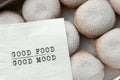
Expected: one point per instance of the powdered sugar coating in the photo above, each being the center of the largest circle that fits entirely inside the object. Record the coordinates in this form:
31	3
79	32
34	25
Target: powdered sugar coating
9	17
116	5
107	48
41	9
73	37
72	3
94	18
86	67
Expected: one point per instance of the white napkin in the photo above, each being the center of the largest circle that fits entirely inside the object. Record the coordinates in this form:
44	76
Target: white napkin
34	51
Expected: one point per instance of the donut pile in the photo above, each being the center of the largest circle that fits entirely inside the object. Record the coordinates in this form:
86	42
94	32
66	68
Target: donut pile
95	19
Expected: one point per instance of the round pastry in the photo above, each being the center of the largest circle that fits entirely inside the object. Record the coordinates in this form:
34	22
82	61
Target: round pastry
41	9
72	3
9	17
116	5
86	67
73	37
107	48
91	18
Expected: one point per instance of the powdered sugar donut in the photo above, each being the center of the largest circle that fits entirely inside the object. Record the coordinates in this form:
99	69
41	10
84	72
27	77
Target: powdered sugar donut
116	5
86	67
72	3
91	18
107	48
41	9
8	17
73	37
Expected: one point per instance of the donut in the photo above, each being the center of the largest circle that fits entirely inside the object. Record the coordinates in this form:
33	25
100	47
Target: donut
107	48
34	10
72	3
9	17
73	37
116	5
94	18
86	67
